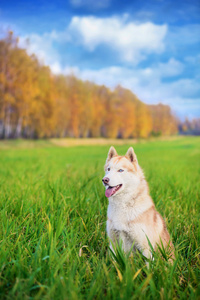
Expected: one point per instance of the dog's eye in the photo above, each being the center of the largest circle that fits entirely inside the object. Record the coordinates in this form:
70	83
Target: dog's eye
108	169
120	170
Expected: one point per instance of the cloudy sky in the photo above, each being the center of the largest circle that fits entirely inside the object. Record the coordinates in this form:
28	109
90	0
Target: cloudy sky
151	47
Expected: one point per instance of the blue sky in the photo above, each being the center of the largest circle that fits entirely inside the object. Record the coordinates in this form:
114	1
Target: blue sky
151	47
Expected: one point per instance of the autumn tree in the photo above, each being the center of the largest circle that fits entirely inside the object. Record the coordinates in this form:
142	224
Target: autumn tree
34	103
163	121
127	112
62	93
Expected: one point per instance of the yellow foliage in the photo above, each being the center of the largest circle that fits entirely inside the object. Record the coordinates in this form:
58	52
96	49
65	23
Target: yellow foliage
36	104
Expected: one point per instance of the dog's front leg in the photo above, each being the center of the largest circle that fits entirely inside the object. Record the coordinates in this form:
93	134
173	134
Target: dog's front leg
147	253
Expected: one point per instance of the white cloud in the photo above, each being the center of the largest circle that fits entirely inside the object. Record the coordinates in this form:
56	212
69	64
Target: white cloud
131	76
147	84
41	45
56	68
132	41
172	68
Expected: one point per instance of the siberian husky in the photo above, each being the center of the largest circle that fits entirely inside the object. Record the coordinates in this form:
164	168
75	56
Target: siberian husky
132	217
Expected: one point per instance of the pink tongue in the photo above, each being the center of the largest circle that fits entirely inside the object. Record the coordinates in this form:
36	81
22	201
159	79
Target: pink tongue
109	192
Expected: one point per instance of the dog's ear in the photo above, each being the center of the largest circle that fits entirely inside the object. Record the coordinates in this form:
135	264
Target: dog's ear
111	153
130	154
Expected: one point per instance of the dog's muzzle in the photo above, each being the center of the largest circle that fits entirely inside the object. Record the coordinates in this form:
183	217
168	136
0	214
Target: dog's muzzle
105	180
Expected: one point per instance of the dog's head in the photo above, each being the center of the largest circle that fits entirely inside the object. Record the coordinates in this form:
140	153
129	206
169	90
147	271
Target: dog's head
121	172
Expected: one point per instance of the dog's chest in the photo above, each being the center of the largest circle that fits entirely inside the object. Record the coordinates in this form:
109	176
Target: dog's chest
121	225
121	216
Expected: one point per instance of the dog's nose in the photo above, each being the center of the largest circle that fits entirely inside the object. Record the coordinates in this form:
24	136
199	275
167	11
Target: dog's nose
105	180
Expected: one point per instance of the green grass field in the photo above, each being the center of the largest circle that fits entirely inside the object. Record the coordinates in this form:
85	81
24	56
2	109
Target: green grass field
53	242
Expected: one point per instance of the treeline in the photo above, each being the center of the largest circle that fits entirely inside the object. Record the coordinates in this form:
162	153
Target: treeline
34	103
190	127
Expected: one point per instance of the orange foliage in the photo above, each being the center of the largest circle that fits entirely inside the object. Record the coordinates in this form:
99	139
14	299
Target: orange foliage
36	104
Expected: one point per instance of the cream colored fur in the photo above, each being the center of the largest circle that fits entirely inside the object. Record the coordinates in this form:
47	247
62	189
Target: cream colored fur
132	216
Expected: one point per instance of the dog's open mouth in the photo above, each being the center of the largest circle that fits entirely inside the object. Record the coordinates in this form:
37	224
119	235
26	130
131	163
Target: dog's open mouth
111	190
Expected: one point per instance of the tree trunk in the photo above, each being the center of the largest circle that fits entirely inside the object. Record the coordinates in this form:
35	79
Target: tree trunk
7	123
19	128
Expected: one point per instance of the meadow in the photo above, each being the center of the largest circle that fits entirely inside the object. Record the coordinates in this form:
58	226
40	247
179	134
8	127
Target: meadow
53	242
